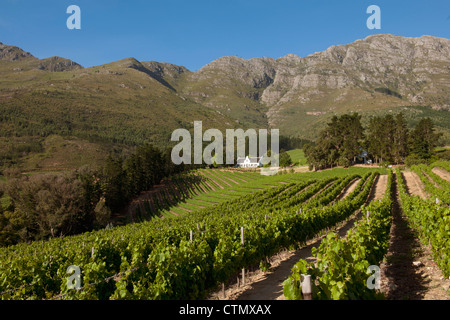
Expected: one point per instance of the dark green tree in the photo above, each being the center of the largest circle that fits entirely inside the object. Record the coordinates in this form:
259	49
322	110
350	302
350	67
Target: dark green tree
114	184
91	193
400	148
45	205
423	139
339	143
285	159
381	138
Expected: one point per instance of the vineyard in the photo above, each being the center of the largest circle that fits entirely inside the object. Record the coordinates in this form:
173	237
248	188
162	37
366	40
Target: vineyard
196	231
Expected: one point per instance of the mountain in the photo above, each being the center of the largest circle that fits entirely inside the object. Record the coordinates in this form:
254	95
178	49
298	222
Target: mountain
13	53
380	72
28	61
130	102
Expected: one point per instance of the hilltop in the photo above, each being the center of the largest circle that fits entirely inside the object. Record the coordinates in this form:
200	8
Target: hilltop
116	106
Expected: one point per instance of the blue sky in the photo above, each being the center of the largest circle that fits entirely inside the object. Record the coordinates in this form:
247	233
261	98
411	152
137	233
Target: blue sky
193	33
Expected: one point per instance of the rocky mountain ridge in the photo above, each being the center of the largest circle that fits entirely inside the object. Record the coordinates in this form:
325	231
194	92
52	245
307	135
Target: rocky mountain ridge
52	64
381	73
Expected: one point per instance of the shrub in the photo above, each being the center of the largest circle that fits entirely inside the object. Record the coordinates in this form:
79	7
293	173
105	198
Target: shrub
414	159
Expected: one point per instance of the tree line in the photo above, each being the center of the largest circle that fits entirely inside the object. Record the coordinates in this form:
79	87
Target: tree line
48	205
386	139
43	206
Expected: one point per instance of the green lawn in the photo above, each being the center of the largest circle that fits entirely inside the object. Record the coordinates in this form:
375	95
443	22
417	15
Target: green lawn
298	157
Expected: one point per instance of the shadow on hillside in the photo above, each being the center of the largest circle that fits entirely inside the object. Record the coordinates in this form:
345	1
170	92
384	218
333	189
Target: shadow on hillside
161	198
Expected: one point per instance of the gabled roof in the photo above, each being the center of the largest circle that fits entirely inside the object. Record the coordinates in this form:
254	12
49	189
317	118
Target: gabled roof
251	159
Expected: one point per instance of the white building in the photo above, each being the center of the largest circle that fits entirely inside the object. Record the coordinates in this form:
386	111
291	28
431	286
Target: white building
364	155
249	162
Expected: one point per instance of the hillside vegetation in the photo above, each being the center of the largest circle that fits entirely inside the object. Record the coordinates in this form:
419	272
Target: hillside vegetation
126	103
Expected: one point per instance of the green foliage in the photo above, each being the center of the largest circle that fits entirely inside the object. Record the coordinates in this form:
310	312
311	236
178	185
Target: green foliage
431	220
45	206
442	164
341	268
423	139
50	205
438	187
442	153
387	141
298	157
292	143
12	152
339	144
414	159
387	138
154	258
285	160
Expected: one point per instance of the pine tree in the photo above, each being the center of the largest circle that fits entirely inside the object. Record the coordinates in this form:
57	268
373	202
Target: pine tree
339	143
400	148
114	183
423	139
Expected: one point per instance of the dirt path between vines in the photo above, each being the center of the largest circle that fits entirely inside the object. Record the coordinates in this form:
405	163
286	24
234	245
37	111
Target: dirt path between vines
349	189
444	174
413	184
233	179
408	271
378	191
269	285
212	175
207	182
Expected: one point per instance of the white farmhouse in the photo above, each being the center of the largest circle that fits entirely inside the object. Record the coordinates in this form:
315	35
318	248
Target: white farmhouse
249	162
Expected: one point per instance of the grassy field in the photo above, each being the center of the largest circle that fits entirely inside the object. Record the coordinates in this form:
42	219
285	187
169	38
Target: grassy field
298	157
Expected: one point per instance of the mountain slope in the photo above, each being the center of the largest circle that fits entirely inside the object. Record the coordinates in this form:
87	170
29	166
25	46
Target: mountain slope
131	102
300	94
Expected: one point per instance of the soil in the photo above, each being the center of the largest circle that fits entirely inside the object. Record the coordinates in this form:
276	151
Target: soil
301	169
444	174
409	272
233	180
378	188
261	285
269	285
320	191
413	184
431	179
239	178
349	189
214	177
400	277
209	185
